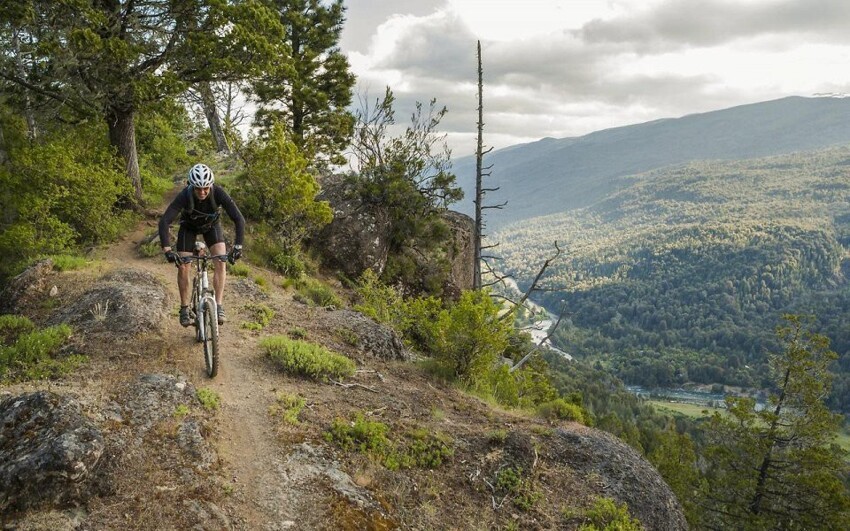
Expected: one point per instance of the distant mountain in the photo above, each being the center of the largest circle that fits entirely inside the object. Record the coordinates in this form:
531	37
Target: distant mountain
556	175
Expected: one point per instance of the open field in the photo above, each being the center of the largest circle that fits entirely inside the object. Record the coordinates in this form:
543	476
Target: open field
690	410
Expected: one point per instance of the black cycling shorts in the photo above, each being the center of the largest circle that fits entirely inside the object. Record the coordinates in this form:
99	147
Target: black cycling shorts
187	235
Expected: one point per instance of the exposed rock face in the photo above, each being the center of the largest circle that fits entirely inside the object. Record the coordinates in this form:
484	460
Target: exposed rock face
48	451
372	338
25	289
357	238
627	476
461	253
124	302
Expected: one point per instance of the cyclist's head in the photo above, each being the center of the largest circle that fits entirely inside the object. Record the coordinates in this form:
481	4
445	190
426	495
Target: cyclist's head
201	176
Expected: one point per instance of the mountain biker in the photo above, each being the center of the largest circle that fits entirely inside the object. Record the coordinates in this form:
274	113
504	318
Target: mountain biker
199	205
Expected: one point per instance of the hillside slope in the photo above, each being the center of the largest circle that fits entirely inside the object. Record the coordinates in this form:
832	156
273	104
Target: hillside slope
170	463
683	276
557	175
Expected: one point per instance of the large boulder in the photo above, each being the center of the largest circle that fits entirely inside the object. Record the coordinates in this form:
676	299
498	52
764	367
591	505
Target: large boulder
358	237
369	337
461	253
122	303
48	451
626	476
24	290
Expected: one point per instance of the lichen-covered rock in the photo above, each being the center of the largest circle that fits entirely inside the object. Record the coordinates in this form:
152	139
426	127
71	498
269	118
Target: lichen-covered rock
368	336
25	289
122	303
152	398
626	475
358	237
461	253
48	451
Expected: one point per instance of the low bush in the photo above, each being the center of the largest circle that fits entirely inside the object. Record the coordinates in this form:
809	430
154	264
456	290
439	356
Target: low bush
361	434
208	398
261	314
68	262
605	514
315	293
306	359
562	410
239	270
287	407
27	353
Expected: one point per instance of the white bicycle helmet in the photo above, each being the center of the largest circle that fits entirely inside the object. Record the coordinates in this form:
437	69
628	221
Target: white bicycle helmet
201	176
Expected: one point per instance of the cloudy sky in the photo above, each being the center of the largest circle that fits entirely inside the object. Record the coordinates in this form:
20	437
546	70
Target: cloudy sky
565	68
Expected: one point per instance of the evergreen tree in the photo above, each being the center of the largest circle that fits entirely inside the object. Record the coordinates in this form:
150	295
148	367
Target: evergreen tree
310	91
409	178
775	467
107	59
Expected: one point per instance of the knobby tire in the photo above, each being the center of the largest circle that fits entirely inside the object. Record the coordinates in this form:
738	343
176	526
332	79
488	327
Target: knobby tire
210	317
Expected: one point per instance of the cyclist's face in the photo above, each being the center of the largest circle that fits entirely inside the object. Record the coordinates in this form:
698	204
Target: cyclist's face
202	193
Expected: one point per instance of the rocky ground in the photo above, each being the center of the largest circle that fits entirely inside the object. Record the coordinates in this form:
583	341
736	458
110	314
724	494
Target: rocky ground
124	442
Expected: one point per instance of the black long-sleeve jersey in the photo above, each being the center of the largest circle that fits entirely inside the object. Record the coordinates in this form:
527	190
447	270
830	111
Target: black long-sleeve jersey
194	219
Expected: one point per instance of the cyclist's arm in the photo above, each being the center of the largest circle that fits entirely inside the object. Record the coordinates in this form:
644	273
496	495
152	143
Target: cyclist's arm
168	218
233	212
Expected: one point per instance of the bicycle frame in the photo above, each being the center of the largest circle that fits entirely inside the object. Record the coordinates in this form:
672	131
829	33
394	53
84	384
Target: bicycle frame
204	305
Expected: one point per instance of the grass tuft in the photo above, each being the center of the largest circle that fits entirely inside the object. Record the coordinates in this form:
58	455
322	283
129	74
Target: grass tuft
208	398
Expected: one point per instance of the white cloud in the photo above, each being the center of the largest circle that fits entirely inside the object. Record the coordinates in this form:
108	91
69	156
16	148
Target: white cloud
567	68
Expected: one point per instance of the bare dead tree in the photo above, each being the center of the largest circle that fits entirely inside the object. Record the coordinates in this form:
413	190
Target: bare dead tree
479	258
222	105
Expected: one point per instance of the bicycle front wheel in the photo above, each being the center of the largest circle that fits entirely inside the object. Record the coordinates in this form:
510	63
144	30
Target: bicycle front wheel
210	338
196	310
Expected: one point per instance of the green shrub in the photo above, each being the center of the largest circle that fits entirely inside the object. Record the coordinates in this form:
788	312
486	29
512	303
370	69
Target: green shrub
562	410
60	194
239	270
150	249
297	333
288	407
278	188
261	314
181	410
308	359
427	449
382	303
27	353
606	515
290	265
208	398
497	436
315	293
511	482
469	337
362	434
68	262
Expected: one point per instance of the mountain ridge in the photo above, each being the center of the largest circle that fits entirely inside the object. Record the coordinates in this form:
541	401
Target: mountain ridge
554	175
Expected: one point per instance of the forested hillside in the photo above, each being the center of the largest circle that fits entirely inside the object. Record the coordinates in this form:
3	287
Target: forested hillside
554	175
682	276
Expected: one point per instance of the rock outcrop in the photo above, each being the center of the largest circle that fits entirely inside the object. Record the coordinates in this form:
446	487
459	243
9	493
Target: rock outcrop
369	337
23	291
357	238
626	476
48	451
122	303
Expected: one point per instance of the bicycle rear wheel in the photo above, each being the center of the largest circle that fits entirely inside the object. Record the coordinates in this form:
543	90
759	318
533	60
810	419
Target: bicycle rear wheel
210	317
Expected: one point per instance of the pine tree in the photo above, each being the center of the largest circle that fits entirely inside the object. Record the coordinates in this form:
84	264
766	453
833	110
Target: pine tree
311	90
108	59
775	467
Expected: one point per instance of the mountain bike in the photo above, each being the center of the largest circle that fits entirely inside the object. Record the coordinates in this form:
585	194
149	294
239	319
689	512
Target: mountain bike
204	307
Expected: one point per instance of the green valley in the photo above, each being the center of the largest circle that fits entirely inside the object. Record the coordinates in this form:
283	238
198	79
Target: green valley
682	275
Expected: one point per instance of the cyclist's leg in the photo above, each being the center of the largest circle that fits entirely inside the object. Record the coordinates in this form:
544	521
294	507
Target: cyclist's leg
214	239
184	246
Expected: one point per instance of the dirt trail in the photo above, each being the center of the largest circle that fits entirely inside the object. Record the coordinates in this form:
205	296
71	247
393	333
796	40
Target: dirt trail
245	439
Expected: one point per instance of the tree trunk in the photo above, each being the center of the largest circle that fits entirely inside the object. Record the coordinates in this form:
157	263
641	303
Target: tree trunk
479	193
32	128
122	136
761	483
4	151
213	119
